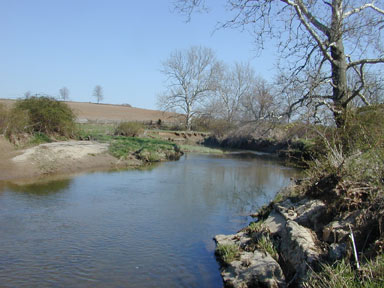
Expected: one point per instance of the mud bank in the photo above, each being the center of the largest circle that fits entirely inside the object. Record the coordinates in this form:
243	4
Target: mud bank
60	158
292	151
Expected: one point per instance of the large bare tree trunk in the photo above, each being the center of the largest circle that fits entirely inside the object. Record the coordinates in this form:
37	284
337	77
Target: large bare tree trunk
339	66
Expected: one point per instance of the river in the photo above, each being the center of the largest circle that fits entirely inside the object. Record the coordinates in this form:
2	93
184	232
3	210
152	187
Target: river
137	228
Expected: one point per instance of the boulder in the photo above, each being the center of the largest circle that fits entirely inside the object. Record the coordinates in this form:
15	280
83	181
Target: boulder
308	213
299	248
275	223
253	269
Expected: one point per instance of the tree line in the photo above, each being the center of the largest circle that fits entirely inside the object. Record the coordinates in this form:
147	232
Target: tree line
331	52
201	86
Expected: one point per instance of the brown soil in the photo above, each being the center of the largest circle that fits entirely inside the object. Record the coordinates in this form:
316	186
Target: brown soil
112	113
58	158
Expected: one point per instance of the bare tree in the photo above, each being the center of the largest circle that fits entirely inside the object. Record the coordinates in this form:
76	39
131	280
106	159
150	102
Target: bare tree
260	104
234	85
98	93
64	93
27	94
191	76
320	42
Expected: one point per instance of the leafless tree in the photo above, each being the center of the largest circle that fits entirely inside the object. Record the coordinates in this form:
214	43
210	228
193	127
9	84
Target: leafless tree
98	93
321	41
260	104
234	85
191	76
27	94
64	93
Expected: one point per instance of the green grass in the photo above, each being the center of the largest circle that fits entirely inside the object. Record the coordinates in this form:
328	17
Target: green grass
200	149
255	226
342	275
227	252
96	131
39	138
265	244
152	150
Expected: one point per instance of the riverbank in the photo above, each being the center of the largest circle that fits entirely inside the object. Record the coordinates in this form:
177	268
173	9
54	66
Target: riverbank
294	152
324	231
71	157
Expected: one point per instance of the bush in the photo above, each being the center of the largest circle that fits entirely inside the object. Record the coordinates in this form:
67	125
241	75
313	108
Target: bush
17	123
3	119
129	129
365	128
47	115
218	127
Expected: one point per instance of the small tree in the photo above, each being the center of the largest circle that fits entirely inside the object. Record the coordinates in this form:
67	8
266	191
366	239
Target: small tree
27	94
64	93
98	93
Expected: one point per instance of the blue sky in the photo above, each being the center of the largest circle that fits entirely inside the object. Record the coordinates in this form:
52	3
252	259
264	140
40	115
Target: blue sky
118	44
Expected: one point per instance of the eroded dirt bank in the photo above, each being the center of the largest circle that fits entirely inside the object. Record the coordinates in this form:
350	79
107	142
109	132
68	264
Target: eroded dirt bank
67	157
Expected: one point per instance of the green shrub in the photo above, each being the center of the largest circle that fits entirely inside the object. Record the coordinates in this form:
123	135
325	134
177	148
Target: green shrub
47	115
3	118
129	129
364	129
17	123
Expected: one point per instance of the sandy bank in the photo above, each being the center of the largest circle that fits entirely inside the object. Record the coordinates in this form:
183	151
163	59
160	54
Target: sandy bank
62	158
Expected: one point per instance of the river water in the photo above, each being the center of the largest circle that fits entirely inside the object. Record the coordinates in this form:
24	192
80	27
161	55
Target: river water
140	228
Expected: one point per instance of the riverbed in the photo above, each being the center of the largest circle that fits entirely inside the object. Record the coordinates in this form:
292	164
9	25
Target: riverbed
135	228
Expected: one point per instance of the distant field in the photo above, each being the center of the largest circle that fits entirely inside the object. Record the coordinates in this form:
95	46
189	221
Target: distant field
108	113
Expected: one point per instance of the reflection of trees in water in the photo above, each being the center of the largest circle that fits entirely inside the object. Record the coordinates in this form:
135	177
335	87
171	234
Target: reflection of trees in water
41	188
243	186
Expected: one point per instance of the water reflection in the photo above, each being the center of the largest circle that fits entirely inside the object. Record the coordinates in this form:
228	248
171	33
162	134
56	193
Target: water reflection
150	228
41	188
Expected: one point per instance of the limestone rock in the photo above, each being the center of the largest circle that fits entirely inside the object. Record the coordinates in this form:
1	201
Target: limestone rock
275	223
254	269
299	248
308	213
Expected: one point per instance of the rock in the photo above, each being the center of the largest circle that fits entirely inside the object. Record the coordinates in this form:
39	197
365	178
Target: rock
299	248
308	213
254	269
337	251
241	239
275	223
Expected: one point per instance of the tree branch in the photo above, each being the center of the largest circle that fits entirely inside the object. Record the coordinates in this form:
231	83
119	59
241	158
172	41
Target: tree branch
359	9
365	61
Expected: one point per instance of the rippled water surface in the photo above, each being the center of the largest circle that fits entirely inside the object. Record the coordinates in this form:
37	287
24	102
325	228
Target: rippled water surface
150	228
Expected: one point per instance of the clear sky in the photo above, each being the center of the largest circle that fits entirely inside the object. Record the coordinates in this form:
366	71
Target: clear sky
118	44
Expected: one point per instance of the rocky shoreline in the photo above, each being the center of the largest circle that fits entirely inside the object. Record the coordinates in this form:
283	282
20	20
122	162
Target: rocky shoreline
290	240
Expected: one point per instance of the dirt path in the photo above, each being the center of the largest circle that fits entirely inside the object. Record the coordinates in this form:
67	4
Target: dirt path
62	158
